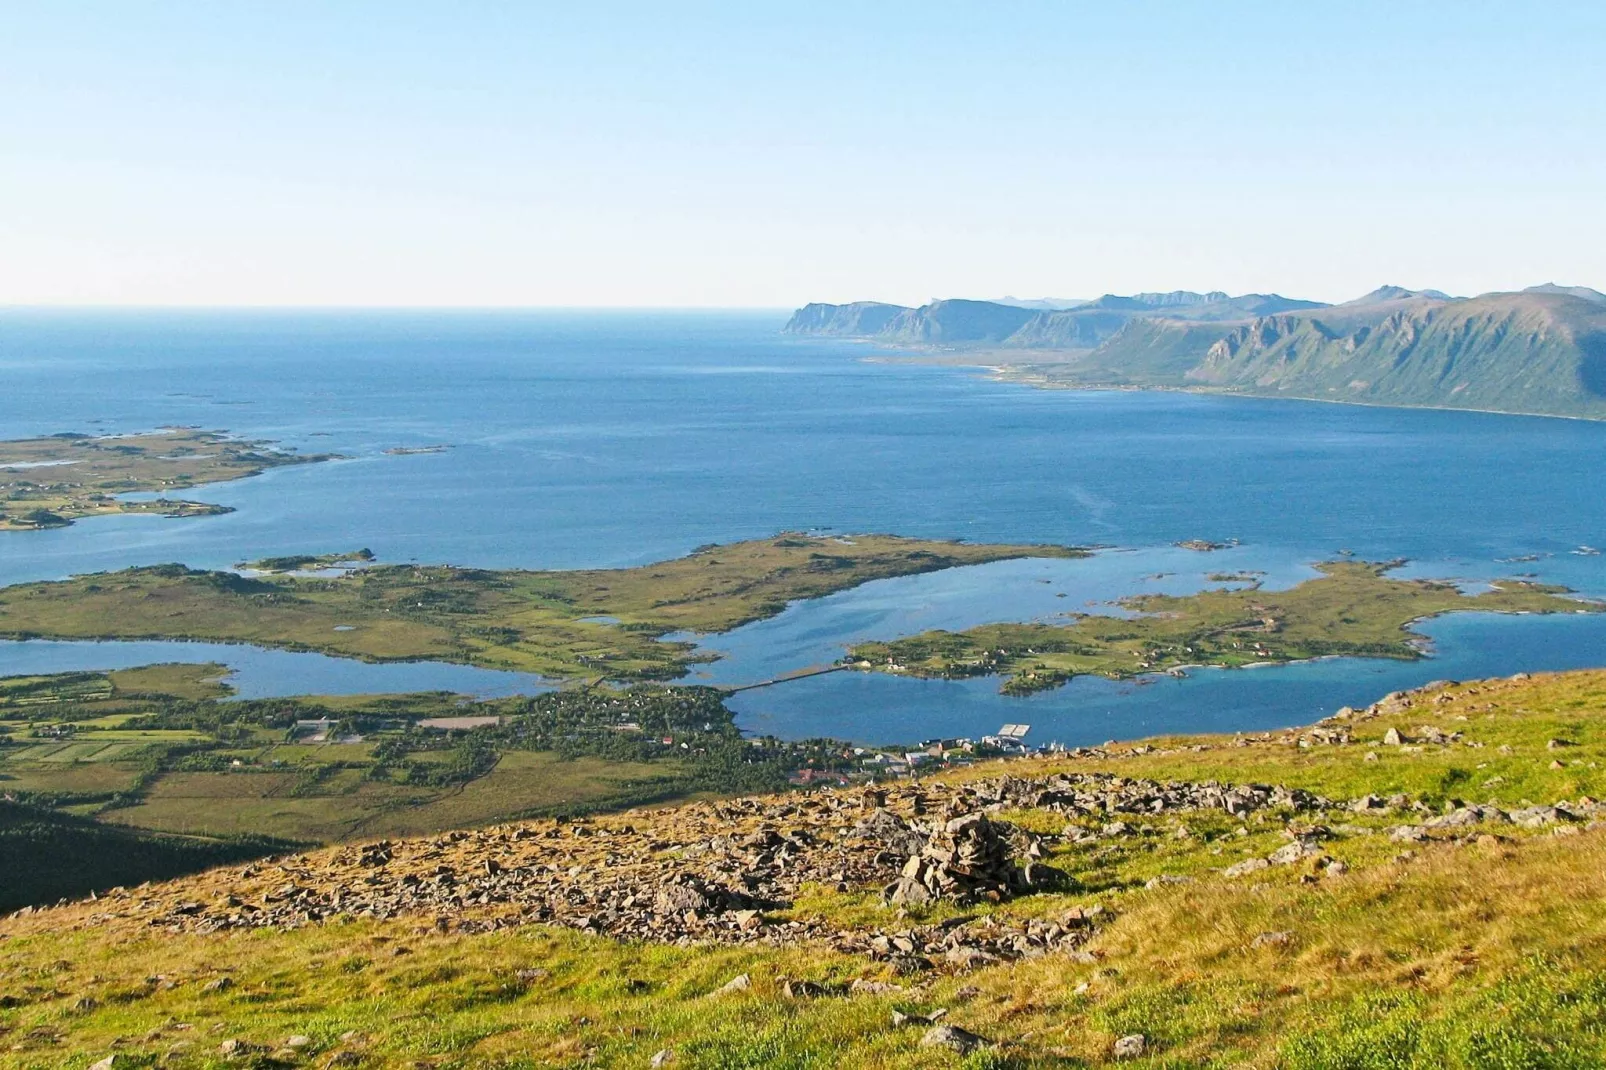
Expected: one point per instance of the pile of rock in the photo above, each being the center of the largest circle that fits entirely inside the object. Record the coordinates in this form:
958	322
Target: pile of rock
967	859
719	872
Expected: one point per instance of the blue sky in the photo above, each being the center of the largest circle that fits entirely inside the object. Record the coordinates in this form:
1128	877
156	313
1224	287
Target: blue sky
760	154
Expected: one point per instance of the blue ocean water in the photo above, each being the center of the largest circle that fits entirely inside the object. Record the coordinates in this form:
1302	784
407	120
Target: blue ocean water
605	439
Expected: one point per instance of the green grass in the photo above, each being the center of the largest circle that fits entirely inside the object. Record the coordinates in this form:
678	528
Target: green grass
534	621
176	680
98	777
1353	609
190	764
1485	954
345	805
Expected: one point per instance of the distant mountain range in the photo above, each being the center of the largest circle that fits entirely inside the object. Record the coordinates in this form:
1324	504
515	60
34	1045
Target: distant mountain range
1541	350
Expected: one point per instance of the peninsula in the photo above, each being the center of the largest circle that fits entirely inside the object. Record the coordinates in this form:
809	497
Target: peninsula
50	482
568	625
1541	350
1354	608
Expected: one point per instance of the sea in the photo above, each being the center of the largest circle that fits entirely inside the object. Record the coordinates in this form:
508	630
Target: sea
608	439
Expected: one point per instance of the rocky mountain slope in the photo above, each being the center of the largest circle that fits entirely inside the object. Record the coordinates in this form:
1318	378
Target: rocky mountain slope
1422	879
1541	350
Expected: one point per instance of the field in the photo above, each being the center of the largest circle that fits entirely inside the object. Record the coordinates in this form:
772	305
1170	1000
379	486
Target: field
162	750
50	482
1354	608
1461	943
529	783
344	804
595	624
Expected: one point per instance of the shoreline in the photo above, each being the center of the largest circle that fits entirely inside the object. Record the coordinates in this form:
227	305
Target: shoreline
1006	372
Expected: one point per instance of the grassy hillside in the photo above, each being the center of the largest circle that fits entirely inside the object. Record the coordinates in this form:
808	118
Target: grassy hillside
45	854
1143	353
1513	352
1541	352
1418	884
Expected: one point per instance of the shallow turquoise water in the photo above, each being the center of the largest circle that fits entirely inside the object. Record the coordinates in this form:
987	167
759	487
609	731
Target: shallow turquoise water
621	438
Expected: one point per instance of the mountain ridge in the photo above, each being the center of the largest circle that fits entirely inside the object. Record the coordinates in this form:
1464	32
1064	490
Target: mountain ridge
1538	351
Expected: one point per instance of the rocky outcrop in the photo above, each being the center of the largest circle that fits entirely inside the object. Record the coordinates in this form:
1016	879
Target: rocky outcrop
721	872
856	320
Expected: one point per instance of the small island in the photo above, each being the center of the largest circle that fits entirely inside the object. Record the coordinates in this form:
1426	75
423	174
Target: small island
411	451
307	563
1205	546
52	481
1354	609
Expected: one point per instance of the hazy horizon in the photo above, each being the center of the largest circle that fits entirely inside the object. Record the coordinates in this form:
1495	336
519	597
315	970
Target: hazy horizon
367	156
777	309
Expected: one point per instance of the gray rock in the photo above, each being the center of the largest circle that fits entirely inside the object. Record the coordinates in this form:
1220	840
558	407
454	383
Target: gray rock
1130	1047
953	1038
1289	853
1246	867
802	990
740	983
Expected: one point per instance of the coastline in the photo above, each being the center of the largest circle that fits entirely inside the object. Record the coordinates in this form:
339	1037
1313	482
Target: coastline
1010	372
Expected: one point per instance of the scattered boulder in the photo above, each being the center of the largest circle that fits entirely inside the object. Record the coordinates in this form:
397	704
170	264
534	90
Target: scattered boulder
740	983
1246	867
802	990
899	1018
955	1039
1289	853
1130	1047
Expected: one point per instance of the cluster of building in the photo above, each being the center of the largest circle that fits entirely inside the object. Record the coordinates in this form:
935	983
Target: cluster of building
877	762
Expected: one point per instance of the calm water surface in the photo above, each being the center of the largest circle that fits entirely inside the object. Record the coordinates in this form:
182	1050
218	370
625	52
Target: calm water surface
582	440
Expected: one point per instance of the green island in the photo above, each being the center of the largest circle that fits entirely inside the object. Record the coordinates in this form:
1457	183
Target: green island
307	562
1419	884
1354	608
49	482
567	625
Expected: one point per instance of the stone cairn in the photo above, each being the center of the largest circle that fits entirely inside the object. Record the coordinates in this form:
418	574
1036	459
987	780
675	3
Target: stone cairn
966	860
